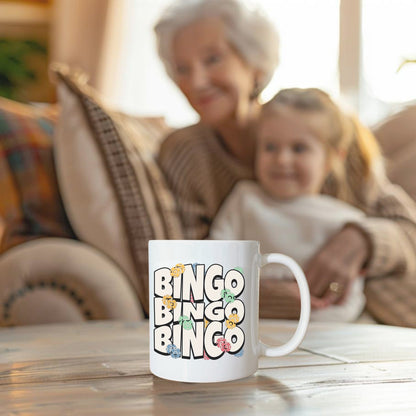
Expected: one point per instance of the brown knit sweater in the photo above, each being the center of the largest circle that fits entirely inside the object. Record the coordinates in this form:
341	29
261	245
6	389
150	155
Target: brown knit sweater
201	173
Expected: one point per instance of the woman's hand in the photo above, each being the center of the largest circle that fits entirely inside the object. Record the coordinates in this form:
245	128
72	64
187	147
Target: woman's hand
333	269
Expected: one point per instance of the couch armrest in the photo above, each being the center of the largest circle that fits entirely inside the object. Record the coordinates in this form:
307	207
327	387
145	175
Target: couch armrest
62	280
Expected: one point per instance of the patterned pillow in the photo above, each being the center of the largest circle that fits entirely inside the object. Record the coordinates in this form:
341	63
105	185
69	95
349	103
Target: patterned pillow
115	195
30	204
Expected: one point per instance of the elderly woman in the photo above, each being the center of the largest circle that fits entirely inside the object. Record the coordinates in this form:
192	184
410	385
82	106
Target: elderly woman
221	55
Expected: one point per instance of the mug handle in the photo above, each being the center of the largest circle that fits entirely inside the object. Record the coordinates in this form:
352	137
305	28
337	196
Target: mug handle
305	304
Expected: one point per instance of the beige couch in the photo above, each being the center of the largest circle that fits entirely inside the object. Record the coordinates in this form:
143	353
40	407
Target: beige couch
397	136
91	262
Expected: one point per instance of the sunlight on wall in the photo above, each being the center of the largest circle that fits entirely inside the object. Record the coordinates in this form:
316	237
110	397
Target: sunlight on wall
143	86
309	49
308	44
389	35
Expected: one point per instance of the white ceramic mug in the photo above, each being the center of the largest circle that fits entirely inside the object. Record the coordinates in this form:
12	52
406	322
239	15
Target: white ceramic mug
204	309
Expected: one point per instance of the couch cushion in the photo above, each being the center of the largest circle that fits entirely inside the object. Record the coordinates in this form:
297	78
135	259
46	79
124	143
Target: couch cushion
397	137
30	204
115	195
61	280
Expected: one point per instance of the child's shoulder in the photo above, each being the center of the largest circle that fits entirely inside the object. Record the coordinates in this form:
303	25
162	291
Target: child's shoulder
243	191
246	187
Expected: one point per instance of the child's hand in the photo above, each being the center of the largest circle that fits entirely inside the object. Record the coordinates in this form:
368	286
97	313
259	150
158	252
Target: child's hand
332	270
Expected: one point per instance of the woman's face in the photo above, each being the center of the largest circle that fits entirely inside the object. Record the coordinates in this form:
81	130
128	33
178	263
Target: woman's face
216	81
291	159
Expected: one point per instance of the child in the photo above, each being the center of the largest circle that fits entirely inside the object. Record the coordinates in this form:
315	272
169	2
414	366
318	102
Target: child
303	138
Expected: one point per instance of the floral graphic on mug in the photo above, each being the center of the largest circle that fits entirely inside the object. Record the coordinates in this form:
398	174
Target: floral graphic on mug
173	351
196	309
234	318
227	295
177	270
223	344
185	322
176	353
232	321
240	353
169	302
230	324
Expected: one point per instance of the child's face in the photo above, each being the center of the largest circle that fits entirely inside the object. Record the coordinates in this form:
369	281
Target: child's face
291	160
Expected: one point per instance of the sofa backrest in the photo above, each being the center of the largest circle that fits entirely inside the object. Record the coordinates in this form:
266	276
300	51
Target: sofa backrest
397	137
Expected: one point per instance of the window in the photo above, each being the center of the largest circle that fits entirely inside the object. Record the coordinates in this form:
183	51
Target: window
360	64
308	56
308	31
388	39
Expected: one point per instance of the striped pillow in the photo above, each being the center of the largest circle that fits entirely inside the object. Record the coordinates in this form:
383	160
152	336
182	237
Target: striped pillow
114	193
30	204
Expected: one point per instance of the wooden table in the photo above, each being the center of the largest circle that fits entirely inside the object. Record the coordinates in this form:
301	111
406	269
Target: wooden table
101	368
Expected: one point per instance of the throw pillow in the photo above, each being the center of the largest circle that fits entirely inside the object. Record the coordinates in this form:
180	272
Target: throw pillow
115	195
30	204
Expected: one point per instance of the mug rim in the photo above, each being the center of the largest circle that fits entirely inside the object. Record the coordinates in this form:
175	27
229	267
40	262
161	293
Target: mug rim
205	241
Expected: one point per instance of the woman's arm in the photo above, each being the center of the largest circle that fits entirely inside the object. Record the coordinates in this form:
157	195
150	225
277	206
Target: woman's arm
381	244
334	268
391	229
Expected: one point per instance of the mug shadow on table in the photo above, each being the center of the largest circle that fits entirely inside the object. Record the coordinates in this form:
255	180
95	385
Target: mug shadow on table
236	397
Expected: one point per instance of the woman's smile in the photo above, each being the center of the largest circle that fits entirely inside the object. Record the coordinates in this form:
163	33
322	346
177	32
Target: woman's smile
217	82
207	99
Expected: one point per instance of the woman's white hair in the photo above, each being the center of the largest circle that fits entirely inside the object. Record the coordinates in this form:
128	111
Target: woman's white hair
248	30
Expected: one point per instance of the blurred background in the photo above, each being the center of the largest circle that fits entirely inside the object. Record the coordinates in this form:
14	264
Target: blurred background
361	51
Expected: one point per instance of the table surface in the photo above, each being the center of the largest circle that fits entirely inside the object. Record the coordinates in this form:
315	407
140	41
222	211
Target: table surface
102	368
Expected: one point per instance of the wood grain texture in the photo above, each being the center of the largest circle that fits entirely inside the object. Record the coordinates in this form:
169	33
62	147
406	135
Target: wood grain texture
101	368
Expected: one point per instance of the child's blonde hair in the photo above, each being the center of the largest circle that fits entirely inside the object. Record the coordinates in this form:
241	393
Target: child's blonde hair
353	151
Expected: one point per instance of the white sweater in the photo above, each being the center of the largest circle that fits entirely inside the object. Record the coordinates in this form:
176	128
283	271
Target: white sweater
296	227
